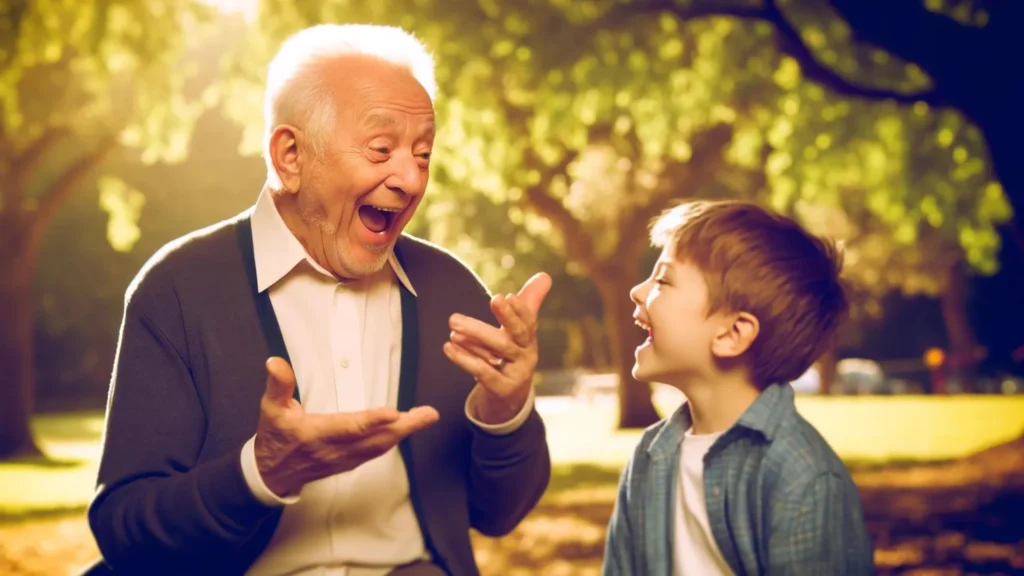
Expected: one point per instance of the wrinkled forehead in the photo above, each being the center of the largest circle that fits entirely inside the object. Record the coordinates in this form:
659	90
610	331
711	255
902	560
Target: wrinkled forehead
358	81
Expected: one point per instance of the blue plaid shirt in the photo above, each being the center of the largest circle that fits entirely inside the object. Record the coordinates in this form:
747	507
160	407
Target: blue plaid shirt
779	500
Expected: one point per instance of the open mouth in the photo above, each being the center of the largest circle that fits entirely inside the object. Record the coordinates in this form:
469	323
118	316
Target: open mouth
644	326
379	219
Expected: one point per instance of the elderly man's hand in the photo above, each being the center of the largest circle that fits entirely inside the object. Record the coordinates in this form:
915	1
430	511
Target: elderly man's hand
294	448
501	360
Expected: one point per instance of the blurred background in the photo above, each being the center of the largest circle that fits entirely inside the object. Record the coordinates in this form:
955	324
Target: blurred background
892	125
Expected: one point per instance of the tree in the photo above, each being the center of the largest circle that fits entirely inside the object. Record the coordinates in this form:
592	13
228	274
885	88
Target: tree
585	133
946	50
905	187
579	122
78	80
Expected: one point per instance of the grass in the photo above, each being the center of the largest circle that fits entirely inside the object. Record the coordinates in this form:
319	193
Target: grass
43	529
586	450
865	430
65	480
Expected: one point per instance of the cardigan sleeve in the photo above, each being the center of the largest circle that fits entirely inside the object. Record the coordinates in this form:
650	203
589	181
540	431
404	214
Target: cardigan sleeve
155	509
508	472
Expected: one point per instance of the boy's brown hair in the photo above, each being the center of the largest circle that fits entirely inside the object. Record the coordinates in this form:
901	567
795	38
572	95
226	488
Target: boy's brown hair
765	264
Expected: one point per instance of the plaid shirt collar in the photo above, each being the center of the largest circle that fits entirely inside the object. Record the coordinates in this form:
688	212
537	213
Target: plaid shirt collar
762	417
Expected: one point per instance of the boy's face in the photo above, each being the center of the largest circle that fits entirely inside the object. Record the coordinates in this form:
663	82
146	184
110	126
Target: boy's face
673	304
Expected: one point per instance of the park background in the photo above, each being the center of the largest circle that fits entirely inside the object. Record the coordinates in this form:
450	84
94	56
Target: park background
565	126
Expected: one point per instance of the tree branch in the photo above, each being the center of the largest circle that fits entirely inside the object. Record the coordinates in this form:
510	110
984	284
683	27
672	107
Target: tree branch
65	185
24	165
538	198
575	238
939	45
682	179
790	42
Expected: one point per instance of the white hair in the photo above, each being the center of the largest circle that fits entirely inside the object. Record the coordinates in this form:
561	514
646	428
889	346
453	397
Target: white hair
294	96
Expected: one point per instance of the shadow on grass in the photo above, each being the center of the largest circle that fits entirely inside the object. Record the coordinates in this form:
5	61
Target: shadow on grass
44	461
57	512
918	525
71	426
568	477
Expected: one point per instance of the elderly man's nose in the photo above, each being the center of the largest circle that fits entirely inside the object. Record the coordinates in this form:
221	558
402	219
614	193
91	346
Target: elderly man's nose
408	178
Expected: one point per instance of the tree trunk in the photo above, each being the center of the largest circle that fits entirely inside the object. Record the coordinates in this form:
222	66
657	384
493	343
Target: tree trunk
16	356
595	350
636	410
21	235
827	369
962	355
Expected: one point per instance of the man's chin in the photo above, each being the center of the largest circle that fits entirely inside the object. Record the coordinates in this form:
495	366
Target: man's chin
364	267
361	261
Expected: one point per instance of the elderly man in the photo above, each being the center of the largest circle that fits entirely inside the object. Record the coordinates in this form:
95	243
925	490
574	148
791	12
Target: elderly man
388	420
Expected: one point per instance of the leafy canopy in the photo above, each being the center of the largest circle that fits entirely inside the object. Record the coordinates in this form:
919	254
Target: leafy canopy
624	96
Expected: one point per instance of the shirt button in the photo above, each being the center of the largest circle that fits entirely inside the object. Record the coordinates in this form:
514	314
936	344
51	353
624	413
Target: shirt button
344	362
715	490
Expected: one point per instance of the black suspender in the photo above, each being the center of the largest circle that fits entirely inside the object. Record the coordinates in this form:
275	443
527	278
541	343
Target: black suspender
268	320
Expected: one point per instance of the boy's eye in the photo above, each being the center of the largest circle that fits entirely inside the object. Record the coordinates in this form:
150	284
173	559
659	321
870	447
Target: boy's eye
660	281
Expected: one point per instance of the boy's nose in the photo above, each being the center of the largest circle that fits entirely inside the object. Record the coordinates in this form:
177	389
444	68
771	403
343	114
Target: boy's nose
638	294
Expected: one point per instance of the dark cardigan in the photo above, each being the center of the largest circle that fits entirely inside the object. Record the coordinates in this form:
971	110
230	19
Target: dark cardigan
185	392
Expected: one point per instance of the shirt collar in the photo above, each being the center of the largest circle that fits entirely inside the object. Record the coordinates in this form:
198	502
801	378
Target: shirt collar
277	251
763	416
767	412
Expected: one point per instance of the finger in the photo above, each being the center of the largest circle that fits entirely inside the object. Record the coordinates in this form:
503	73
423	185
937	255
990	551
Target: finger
415	420
347	427
280	382
535	290
482	371
475	348
370	420
384	438
514	326
494	339
525	314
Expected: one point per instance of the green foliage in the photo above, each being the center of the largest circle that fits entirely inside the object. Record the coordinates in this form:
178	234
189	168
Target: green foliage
124	205
907	189
624	94
92	68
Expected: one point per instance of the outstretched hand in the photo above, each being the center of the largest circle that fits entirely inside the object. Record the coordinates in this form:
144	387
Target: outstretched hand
294	448
502	361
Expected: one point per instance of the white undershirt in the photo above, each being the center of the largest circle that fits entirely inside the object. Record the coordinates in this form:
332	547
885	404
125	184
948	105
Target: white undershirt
694	550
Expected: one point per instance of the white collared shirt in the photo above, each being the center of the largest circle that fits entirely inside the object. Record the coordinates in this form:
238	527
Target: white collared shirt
346	359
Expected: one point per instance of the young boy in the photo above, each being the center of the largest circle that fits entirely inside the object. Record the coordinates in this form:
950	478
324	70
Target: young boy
741	302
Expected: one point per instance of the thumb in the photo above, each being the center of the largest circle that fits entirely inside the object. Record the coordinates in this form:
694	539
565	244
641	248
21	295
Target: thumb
280	381
535	290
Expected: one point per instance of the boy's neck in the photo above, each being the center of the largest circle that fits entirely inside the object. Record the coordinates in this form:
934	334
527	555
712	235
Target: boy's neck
717	403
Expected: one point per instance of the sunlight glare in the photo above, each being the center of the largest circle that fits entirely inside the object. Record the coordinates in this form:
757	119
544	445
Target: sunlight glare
247	8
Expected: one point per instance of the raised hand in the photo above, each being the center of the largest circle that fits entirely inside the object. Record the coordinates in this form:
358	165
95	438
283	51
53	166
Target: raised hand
502	361
294	448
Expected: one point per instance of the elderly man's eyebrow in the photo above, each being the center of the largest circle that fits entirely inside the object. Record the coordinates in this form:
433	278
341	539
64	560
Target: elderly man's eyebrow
379	121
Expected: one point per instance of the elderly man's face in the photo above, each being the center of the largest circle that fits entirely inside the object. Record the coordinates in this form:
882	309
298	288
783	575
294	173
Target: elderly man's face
375	166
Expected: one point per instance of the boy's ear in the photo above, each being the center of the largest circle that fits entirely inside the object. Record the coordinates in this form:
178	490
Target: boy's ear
736	335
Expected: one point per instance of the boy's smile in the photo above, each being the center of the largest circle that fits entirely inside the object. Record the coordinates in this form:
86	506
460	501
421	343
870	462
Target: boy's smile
644	326
672	303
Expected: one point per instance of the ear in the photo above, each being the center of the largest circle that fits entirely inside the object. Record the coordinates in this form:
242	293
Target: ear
736	335
286	157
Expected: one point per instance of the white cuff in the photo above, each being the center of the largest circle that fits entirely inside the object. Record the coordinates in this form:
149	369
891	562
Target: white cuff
504	428
255	482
